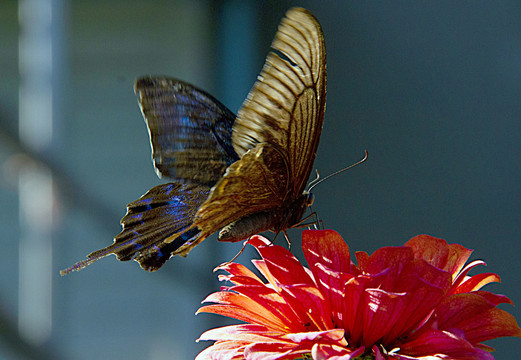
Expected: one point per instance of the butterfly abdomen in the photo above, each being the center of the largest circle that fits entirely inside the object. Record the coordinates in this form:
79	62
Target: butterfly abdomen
285	218
247	226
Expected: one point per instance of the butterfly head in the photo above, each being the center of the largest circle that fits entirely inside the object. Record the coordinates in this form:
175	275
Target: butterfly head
309	198
296	210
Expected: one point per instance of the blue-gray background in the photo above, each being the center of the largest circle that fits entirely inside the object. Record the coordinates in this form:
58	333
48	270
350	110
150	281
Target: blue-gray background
432	89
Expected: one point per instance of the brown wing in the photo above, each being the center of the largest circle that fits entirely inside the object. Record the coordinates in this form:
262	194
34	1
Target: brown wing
277	129
287	103
255	183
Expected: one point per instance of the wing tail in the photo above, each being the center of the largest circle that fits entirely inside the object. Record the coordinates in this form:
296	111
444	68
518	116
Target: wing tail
157	226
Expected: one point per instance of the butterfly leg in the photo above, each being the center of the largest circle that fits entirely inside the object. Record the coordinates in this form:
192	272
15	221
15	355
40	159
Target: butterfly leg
302	223
236	256
277	234
287	239
317	223
272	241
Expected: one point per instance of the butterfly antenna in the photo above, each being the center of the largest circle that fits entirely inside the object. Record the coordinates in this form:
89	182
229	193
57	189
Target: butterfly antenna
315	179
338	172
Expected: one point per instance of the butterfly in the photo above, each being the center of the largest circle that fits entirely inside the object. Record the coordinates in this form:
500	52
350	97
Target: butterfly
236	175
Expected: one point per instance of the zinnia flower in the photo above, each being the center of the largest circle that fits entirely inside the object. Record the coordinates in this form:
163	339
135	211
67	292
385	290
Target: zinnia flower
410	302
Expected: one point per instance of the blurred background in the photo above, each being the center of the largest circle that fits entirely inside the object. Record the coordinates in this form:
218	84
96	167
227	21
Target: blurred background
431	89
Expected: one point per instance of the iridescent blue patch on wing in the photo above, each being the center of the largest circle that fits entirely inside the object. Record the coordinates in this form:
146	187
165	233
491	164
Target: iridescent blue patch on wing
159	254
185	238
137	217
137	246
158	250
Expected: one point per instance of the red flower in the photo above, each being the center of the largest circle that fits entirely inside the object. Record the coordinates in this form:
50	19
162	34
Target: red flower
410	302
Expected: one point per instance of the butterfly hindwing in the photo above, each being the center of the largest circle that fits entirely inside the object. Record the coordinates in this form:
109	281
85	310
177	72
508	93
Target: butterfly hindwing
157	225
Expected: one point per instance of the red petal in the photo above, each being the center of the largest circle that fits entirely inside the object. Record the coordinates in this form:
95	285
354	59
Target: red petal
328	248
420	301
258	241
240	314
309	305
284	267
460	307
428	273
299	345
227	350
235	269
434	250
263	269
476	282
279	266
330	336
444	345
242	332
495	299
275	351
377	353
458	256
491	325
391	259
241	280
334	352
328	257
242	308
332	286
361	258
474	314
353	306
277	304
378	312
461	277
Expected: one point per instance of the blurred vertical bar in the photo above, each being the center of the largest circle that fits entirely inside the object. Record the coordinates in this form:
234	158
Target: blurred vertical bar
238	51
237	55
37	20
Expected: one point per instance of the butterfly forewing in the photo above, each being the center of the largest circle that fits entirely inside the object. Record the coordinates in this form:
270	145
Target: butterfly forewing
303	143
285	111
298	63
190	131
